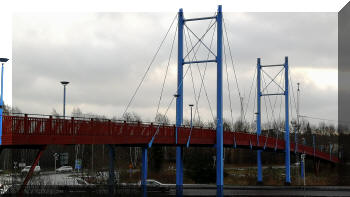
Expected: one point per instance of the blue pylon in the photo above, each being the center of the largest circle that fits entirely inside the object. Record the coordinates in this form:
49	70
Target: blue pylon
179	105
179	101
286	136
258	120
219	127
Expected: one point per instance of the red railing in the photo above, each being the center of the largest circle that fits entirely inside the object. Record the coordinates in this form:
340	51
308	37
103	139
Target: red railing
28	130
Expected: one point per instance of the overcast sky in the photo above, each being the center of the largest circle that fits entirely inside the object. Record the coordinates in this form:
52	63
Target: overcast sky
104	56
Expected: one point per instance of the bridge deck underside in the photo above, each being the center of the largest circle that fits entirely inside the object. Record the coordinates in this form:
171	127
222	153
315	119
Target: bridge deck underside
20	130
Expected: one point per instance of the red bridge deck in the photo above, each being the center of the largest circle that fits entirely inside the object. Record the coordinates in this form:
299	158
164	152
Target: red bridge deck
24	130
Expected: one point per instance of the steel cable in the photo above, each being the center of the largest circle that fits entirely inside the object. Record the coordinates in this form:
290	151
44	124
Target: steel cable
148	68
166	71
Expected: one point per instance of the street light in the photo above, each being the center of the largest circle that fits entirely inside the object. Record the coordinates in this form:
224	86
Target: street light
55	155
3	61
191	105
64	83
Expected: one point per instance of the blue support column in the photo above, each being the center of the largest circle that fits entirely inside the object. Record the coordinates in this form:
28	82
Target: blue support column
111	183
219	127
179	105
314	144
144	171
296	140
302	168
1	100
287	142
258	119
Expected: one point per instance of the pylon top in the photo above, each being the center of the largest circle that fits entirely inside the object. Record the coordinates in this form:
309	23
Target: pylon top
219	8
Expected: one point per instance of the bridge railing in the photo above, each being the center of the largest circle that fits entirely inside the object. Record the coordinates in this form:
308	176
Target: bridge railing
17	129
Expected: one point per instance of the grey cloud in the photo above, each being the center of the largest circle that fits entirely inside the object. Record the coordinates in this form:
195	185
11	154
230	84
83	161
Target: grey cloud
104	55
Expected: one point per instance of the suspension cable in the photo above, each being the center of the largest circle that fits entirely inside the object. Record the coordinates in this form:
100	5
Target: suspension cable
233	67
193	86
251	87
272	79
228	86
272	108
148	68
166	71
199	40
194	58
255	96
166	111
204	74
267	114
293	93
196	100
202	79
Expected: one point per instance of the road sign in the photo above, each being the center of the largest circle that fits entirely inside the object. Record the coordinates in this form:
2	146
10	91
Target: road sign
22	164
56	155
64	159
78	163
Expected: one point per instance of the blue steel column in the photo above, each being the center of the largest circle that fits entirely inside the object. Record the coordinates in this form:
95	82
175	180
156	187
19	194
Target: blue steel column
296	140
111	179
179	104
258	119
219	127
314	144
144	171
287	143
302	169
1	100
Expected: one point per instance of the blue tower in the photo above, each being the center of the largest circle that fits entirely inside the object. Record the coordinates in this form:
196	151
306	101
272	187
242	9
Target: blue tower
179	101
285	93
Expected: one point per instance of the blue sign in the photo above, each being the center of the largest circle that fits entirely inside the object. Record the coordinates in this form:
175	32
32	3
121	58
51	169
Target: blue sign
78	164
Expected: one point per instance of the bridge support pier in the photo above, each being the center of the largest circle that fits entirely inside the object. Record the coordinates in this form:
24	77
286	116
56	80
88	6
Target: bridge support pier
260	179
317	166
302	166
111	179
31	171
144	172
179	171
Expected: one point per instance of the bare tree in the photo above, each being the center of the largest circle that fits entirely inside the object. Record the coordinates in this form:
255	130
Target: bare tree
54	113
161	119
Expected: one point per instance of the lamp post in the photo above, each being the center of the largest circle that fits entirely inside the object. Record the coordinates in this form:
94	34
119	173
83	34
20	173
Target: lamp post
64	83
191	105
55	156
3	61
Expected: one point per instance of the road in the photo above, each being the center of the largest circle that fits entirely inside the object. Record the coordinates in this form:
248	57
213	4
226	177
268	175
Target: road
210	190
51	178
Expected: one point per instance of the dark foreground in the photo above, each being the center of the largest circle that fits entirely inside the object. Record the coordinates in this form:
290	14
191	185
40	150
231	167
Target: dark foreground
189	190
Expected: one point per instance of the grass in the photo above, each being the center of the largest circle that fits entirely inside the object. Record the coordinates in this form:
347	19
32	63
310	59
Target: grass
276	176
